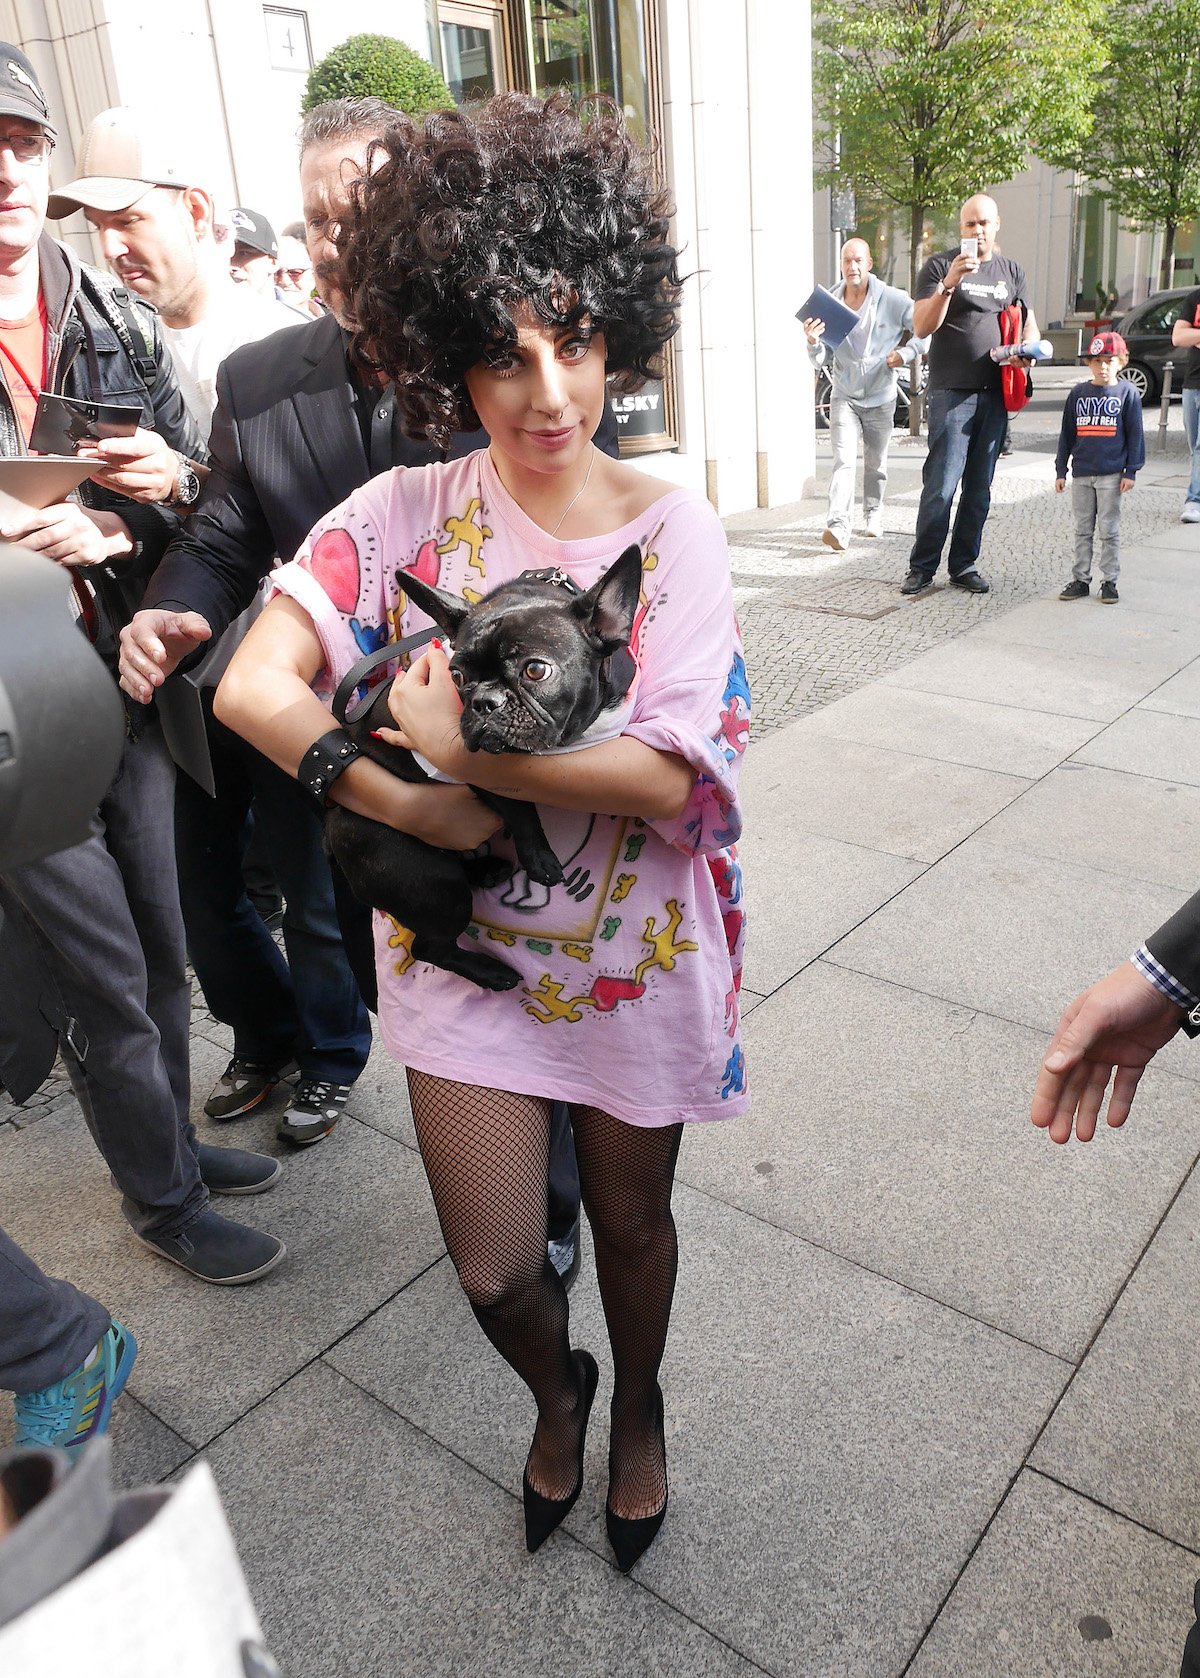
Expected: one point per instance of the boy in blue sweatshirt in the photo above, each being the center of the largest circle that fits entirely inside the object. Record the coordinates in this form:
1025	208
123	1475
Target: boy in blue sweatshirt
1102	437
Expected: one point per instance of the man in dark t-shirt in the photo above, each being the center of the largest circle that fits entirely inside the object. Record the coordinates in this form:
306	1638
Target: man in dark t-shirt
959	300
1185	334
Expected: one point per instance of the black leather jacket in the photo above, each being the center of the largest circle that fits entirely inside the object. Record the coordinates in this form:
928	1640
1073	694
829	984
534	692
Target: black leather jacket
86	357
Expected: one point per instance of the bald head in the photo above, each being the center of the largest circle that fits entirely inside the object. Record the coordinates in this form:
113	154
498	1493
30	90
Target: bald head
856	263
979	219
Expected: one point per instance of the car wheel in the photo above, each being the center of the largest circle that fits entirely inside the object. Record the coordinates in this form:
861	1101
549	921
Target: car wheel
1142	380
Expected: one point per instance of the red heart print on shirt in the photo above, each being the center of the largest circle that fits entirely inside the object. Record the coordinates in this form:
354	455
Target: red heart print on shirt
334	563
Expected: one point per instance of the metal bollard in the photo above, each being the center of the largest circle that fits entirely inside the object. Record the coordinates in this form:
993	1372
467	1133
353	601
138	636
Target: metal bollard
1164	407
914	396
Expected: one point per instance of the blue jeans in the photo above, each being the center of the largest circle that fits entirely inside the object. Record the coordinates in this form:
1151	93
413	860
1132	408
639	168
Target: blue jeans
966	429
1191	430
308	1006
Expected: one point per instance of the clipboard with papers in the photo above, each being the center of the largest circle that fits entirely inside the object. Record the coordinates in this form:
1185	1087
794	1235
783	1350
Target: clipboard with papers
32	482
838	320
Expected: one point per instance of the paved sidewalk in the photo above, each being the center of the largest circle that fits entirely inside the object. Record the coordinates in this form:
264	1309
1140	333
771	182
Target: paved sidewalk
931	1383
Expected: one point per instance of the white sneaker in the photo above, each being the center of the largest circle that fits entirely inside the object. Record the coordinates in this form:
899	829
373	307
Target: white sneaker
1190	513
832	540
874	524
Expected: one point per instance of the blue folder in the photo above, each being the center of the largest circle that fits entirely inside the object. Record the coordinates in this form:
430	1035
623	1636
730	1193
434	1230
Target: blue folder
839	321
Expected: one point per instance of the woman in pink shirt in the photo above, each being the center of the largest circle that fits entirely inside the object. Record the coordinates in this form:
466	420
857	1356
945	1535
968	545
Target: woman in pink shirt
500	265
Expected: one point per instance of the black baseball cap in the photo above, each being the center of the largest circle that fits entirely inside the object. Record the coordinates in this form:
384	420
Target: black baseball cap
249	228
20	91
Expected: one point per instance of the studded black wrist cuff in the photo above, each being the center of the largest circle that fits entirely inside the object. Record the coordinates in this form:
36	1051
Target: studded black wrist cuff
324	761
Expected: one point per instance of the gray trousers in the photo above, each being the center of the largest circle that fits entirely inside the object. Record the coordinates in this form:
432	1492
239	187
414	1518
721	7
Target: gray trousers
103	918
1096	503
846	421
47	1328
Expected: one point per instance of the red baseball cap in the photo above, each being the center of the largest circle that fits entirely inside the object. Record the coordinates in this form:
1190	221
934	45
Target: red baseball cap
1107	343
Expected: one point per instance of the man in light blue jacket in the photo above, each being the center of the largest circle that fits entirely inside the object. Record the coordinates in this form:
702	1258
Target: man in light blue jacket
864	372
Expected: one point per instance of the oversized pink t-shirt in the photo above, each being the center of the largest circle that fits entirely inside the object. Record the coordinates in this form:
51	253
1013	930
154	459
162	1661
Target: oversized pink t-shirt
630	968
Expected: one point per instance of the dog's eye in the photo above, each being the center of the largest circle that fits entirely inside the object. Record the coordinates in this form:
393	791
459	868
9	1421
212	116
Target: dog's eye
456	676
536	670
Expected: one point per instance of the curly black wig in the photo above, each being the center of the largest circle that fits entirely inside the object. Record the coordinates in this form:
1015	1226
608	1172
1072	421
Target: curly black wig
523	200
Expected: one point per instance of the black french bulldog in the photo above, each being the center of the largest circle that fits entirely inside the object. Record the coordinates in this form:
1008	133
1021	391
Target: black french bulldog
536	662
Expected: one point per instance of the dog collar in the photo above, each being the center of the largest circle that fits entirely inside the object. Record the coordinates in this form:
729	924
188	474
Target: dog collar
552	574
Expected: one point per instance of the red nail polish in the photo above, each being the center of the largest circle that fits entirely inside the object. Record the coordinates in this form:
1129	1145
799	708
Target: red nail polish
436	643
377	734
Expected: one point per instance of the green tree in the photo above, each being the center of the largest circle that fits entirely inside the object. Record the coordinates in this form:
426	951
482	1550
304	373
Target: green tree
376	66
923	102
1144	151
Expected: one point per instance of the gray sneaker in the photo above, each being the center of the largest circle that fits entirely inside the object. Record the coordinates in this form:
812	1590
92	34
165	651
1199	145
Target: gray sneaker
243	1085
313	1111
217	1250
1190	513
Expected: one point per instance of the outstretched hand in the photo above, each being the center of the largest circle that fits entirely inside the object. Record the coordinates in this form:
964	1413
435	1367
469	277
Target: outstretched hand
1116	1027
152	644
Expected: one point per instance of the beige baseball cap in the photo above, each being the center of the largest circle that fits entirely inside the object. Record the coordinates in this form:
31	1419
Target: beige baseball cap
123	154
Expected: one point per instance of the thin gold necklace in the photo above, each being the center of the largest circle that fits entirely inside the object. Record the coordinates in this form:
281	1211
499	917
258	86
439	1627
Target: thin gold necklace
577	494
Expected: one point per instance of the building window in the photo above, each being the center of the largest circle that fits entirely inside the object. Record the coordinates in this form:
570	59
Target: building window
474	49
288	45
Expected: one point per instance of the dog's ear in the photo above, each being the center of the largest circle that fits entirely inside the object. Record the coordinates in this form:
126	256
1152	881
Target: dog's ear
608	608
446	610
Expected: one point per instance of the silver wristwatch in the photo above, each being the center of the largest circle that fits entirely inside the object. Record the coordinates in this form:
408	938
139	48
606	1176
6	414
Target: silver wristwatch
187	485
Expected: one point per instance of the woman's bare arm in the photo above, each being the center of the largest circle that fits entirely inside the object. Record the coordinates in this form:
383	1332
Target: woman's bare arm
266	698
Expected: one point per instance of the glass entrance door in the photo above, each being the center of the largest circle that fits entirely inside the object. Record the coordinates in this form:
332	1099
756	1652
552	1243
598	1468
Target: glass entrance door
473	51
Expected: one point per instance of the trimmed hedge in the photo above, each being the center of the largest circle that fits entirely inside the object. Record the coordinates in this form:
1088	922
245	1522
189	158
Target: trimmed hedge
377	66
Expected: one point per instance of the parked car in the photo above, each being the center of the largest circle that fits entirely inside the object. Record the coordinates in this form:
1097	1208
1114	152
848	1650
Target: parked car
1146	328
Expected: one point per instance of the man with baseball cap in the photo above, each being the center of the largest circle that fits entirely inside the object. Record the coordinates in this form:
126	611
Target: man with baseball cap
91	939
255	251
157	221
307	1011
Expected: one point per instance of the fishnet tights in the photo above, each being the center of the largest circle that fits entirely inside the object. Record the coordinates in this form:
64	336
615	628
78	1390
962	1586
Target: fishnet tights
486	1153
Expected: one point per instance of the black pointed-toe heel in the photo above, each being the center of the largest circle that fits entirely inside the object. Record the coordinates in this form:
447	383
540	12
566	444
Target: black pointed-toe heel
631	1539
543	1514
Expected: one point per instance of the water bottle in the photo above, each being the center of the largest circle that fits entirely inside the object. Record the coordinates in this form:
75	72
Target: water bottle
1043	350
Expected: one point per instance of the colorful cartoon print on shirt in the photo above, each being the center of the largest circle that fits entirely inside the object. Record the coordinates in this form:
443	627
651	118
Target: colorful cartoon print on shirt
469	529
735	710
347	565
549	1006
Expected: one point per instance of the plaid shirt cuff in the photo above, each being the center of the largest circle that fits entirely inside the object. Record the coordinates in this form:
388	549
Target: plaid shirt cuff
1158	976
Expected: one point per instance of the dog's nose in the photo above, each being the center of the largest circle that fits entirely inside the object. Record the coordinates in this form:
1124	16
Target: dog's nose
485	701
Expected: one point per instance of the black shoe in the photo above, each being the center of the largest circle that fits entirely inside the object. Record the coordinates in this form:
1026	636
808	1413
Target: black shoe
1108	593
1006	446
218	1250
564	1255
313	1111
1075	590
915	583
631	1539
543	1514
234	1171
972	582
243	1085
